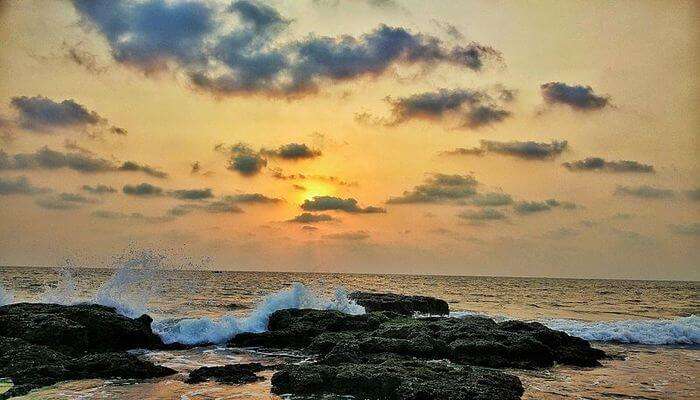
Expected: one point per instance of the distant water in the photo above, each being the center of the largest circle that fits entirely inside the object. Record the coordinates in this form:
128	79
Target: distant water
655	326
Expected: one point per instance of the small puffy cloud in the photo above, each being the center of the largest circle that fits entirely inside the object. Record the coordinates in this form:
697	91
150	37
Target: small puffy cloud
692	229
133	166
99	189
292	151
192	194
41	113
330	203
439	188
64	201
492	199
350	236
527	150
531	207
308	218
142	189
19	186
243	159
645	192
579	98
486	214
600	164
474	108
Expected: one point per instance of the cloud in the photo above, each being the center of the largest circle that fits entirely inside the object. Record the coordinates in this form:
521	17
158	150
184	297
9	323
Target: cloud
350	236
81	161
561	233
579	98
243	159
492	199
693	194
474	108
195	167
40	113
486	214
252	198
142	189
692	229
118	131
222	207
277	173
439	188
599	164
247	56
329	203
99	189
645	192
64	201
133	166
84	59
531	207
464	151
527	150
308	218
19	185
115	215
292	151
192	194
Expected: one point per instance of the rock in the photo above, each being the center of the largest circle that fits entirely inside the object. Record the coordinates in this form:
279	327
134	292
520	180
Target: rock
398	380
472	340
232	374
77	329
41	344
400	304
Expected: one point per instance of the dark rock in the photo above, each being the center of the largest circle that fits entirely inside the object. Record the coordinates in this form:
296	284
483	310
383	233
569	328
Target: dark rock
77	329
398	380
400	304
232	374
41	344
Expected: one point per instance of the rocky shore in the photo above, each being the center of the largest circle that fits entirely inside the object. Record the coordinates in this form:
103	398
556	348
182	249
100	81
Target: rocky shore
387	353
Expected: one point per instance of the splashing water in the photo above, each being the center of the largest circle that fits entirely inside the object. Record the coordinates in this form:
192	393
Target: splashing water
685	330
207	330
65	292
6	296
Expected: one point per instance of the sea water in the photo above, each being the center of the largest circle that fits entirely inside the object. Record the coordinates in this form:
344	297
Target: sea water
653	328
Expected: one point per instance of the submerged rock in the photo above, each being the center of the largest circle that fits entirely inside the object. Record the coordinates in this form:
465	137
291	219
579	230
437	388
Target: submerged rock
400	304
232	374
398	380
42	344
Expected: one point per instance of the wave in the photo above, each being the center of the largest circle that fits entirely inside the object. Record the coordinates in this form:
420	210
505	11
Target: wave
685	330
6	296
207	330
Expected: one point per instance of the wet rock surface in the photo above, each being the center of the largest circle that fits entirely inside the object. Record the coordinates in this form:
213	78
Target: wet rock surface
386	355
400	304
41	344
231	374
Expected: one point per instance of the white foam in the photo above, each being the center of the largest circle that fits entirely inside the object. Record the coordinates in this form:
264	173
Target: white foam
6	296
685	330
207	330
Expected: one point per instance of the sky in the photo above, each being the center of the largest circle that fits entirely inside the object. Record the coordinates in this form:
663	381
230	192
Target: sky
504	138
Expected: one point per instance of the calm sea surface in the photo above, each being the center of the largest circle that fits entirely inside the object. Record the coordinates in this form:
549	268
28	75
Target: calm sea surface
654	327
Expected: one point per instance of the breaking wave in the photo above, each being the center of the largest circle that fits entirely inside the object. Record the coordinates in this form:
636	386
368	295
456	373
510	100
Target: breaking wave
208	330
685	330
6	296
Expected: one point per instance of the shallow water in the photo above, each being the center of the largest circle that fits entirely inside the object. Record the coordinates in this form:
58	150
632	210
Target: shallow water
640	312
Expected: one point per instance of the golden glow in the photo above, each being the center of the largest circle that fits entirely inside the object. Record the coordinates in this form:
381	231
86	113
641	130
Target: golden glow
313	189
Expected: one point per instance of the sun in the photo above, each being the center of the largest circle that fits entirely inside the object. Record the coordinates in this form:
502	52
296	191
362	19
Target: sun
313	189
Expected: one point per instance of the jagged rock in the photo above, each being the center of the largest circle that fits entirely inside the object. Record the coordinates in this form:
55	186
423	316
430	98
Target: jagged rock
472	340
395	379
232	374
77	329
41	344
400	304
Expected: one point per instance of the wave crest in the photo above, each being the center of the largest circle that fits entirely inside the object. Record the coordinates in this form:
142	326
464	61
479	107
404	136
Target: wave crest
208	330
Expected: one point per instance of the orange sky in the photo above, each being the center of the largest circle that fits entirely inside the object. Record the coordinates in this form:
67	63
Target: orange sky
376	93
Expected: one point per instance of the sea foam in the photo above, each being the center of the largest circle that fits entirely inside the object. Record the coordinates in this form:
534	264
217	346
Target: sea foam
208	330
685	330
6	296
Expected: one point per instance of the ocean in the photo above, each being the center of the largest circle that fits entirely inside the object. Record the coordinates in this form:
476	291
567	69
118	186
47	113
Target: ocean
651	328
